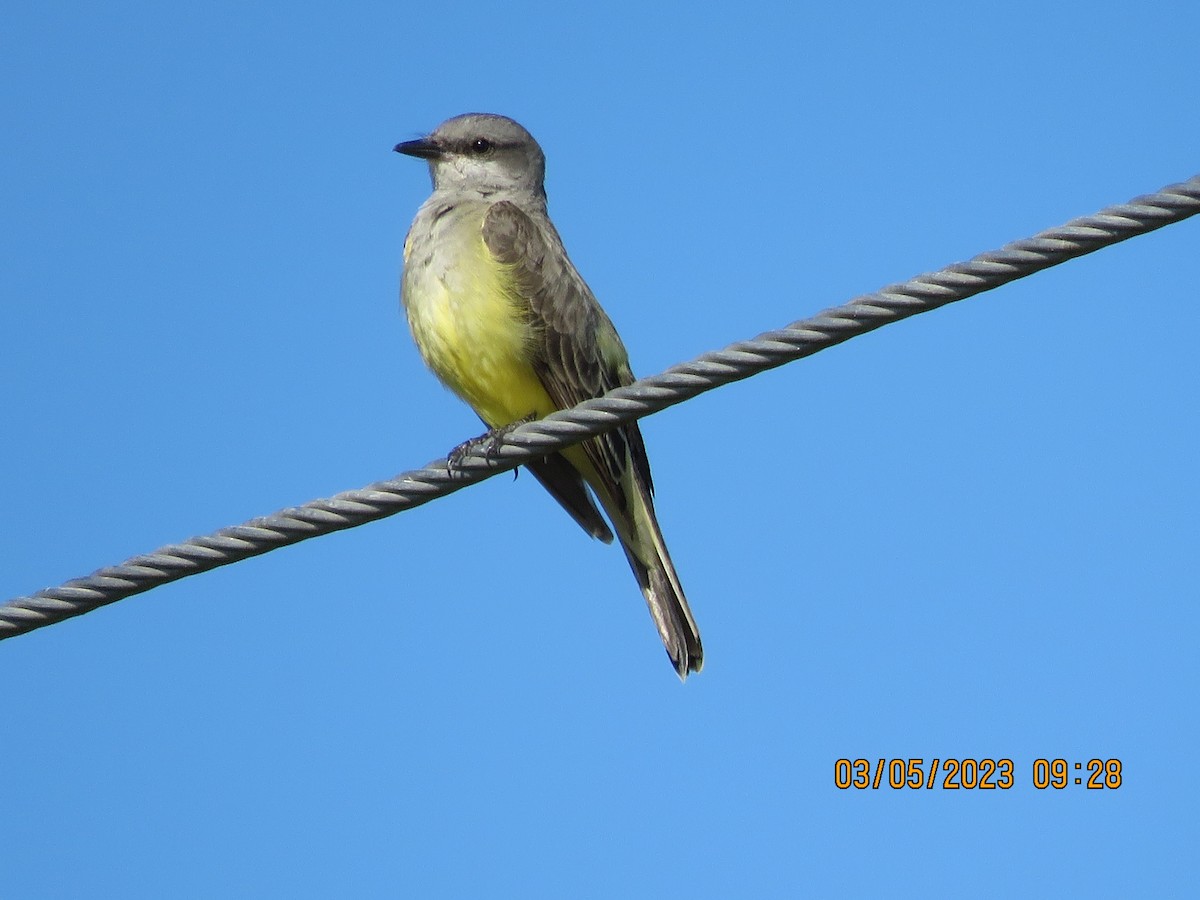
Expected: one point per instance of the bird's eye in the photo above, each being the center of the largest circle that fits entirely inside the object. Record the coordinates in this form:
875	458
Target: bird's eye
480	146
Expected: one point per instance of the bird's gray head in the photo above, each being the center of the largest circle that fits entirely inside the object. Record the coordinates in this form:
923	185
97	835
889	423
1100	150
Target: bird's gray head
482	154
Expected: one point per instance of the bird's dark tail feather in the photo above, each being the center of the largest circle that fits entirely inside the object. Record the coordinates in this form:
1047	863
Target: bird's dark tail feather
668	605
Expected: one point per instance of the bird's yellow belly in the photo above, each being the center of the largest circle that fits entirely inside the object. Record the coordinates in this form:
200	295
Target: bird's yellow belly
471	333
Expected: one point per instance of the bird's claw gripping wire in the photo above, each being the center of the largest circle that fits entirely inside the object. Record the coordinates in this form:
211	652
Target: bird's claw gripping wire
489	443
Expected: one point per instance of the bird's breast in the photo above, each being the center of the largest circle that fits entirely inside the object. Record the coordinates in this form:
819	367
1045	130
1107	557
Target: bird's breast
468	320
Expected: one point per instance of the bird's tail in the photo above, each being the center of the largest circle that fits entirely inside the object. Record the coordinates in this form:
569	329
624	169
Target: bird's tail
651	563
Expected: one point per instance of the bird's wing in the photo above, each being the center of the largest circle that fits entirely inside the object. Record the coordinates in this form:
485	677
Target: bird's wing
578	354
565	485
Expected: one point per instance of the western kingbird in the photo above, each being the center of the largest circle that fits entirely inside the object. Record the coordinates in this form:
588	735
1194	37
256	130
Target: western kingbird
504	320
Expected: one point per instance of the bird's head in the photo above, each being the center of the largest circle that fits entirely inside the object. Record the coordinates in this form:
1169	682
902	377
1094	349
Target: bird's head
481	153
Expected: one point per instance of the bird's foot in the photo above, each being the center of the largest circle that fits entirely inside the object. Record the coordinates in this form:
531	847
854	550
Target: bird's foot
489	443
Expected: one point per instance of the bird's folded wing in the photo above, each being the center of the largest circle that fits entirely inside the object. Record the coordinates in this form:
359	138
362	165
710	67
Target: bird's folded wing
579	354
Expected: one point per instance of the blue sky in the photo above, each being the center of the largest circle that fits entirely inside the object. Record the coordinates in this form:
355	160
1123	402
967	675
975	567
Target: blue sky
971	534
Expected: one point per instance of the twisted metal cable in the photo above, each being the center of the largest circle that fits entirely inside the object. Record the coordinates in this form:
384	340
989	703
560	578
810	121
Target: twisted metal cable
649	395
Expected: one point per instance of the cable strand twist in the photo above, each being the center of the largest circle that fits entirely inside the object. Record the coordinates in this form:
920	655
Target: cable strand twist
735	362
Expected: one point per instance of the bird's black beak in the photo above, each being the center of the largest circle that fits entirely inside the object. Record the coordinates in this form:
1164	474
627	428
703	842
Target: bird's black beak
422	147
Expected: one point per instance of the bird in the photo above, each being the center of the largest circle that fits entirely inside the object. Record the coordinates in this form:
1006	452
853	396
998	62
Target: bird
505	321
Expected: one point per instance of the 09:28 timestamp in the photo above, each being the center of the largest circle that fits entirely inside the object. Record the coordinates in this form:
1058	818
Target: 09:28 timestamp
1057	773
